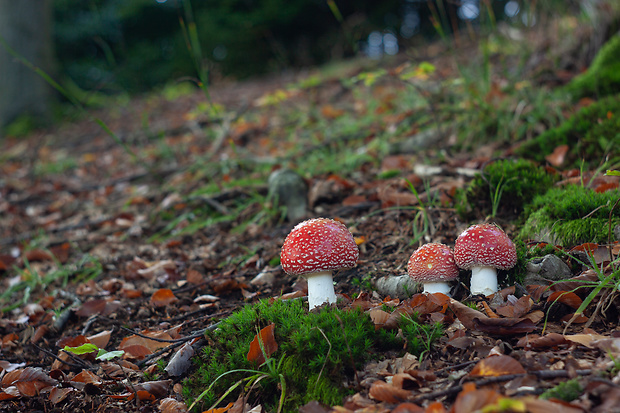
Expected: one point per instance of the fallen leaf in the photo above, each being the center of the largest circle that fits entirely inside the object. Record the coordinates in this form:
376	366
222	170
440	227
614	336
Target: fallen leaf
557	157
181	361
29	381
497	366
471	399
163	297
265	347
170	405
384	392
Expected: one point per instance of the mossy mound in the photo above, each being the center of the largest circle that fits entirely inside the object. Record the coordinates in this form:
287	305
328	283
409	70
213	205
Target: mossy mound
318	352
503	188
571	215
592	134
603	76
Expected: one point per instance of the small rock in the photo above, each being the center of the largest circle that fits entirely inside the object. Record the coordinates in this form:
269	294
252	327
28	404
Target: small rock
287	187
547	269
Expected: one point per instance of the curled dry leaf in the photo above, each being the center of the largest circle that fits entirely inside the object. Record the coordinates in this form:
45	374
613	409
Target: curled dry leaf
181	360
497	366
384	392
170	405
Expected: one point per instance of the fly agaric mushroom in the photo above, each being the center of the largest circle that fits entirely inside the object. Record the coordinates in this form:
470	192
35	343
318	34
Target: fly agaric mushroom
433	265
313	249
484	248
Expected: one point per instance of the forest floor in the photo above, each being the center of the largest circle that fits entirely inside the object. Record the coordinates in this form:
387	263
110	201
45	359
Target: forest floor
141	246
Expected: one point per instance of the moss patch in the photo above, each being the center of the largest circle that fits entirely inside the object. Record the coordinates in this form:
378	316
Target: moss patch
571	215
591	134
318	352
503	188
603	76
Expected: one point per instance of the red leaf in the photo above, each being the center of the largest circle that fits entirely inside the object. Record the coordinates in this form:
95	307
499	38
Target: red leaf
565	297
269	345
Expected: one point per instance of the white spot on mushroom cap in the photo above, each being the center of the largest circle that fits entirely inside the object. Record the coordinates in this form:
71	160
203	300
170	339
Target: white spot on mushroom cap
432	262
318	244
484	245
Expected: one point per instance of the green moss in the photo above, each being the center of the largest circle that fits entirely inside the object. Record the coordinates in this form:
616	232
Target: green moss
603	76
503	188
571	215
567	391
317	352
591	134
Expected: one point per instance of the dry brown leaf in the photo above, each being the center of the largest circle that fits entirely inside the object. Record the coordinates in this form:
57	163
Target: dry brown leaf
86	376
58	394
269	345
170	405
565	297
408	408
535	405
378	317
163	297
548	340
136	351
383	392
29	381
471	399
101	339
91	307
497	366
586	340
556	158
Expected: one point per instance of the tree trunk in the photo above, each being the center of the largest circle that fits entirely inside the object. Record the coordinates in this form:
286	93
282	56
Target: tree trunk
26	26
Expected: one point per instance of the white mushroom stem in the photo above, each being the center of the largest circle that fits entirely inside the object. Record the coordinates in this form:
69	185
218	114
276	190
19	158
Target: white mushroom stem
483	280
437	287
320	288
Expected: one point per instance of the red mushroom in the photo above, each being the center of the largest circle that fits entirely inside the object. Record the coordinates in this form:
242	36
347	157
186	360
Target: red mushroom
313	249
484	248
433	265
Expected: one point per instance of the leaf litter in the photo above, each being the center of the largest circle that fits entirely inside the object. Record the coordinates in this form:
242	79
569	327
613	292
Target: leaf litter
93	261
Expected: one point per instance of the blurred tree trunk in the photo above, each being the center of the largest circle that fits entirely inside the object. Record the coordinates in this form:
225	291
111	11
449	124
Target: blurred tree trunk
26	26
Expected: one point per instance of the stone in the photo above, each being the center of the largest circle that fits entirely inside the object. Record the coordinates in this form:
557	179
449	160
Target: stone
288	188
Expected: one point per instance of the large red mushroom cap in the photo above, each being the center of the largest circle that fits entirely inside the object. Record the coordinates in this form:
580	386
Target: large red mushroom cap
432	263
484	245
319	244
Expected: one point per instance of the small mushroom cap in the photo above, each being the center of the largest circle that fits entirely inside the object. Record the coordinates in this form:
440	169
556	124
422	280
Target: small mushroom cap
432	263
319	244
484	245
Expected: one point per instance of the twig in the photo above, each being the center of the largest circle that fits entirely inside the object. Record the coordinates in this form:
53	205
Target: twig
541	374
55	357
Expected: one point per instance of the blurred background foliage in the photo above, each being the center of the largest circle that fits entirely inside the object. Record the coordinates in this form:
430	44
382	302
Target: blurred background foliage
135	45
